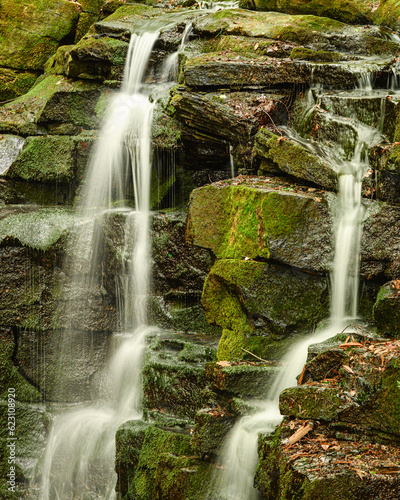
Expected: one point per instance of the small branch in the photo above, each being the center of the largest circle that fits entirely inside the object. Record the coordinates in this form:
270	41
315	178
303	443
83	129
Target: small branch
248	352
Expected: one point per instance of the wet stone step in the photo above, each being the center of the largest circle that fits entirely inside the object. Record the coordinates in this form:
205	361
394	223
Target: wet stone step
325	464
173	375
375	108
359	387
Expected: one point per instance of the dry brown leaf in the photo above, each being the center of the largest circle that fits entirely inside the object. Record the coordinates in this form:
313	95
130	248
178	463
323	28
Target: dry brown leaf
348	369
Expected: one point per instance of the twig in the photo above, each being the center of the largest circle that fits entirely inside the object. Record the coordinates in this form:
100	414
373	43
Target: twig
248	352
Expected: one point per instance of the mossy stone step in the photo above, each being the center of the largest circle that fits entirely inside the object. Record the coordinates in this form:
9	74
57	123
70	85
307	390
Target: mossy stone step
326	465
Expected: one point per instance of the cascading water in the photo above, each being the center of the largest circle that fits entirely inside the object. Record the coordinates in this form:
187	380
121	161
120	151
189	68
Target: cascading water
239	458
80	452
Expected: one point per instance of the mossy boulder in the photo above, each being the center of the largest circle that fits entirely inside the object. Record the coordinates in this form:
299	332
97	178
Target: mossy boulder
387	14
20	449
210	430
33	30
51	159
241	379
349	11
279	154
386	310
52	102
14	83
266	300
253	219
386	162
232	118
364	392
10	376
324	466
129	441
173	376
319	33
97	59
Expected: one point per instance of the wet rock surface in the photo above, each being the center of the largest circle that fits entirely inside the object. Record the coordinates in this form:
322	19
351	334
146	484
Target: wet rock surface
348	444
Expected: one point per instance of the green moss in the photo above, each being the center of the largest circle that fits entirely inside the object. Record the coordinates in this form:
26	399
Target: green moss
293	159
9	375
230	345
306	54
32	30
156	443
45	159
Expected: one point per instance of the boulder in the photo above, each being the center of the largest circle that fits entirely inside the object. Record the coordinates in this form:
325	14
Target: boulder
386	310
32	31
254	218
350	11
315	32
14	83
280	154
173	376
54	101
387	14
325	465
268	301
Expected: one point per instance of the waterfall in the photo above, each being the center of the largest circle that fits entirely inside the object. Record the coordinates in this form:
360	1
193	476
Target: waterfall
79	457
239	457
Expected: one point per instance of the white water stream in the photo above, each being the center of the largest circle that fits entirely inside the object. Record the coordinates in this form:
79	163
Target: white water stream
79	457
239	458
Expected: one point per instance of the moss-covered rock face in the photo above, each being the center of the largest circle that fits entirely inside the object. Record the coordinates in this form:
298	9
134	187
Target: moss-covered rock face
350	11
166	466
281	154
303	29
387	14
54	101
348	409
268	301
253	219
387	310
325	465
386	161
14	83
32	31
30	431
364	391
173	376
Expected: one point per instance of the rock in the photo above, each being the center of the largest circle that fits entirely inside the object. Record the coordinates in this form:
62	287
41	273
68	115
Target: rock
50	159
97	59
243	379
210	430
319	33
278	154
28	445
386	163
53	101
262	298
10	375
386	310
324	467
232	118
173	376
14	83
351	12
253	219
387	14
32	32
10	147
380	260
363	392
129	441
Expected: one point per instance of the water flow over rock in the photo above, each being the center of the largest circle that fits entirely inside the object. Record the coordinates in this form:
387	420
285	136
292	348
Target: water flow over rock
239	457
80	453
